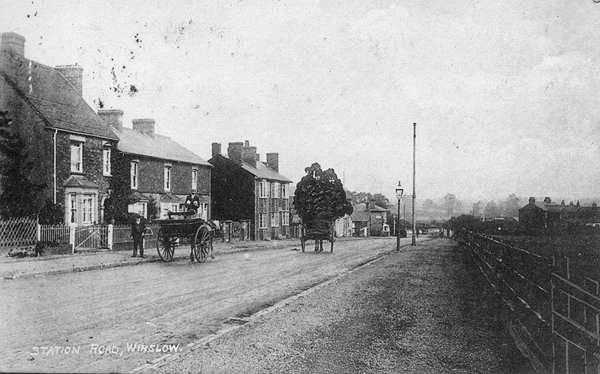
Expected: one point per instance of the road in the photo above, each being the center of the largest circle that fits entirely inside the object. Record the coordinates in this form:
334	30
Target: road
91	318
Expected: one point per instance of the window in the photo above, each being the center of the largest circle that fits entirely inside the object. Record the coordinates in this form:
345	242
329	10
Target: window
263	189
106	170
167	178
262	220
77	157
73	208
285	204
194	179
275	190
139	208
284	191
134	175
87	206
285	219
275	219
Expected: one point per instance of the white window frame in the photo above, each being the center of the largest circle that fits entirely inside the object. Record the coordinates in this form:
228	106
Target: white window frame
73	209
194	179
284	190
140	208
285	218
275	190
274	219
262	220
134	173
106	165
263	189
87	211
167	178
76	165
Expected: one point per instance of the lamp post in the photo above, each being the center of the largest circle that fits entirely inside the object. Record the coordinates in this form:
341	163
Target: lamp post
399	193
414	196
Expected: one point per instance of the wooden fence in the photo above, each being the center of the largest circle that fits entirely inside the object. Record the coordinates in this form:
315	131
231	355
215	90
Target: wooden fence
554	307
18	232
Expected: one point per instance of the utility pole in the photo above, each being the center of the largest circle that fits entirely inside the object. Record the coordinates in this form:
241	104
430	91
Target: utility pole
414	196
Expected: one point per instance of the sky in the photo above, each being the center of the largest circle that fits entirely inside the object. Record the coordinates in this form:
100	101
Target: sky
504	94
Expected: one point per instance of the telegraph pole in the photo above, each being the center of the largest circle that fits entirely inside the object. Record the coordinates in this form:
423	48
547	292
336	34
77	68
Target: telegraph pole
414	196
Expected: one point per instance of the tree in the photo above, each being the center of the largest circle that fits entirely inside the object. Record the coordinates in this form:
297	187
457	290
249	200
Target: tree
320	195
491	210
510	207
477	209
19	193
120	186
428	205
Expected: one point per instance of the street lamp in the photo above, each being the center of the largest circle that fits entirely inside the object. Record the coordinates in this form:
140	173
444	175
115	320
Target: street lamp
399	193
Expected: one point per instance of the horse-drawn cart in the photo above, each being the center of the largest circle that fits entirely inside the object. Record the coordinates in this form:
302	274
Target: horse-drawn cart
318	230
179	226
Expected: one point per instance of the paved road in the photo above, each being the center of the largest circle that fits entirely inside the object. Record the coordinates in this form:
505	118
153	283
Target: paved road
90	318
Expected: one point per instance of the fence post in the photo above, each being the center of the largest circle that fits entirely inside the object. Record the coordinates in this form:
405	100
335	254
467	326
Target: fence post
39	231
110	237
72	238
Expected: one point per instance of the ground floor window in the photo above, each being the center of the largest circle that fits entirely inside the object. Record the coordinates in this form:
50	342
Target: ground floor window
285	218
275	219
81	208
262	220
140	208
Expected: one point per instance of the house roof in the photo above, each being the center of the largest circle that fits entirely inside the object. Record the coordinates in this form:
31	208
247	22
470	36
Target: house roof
261	171
53	97
136	143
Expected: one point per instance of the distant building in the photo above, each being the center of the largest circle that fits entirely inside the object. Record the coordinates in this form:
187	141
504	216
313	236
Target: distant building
369	219
543	217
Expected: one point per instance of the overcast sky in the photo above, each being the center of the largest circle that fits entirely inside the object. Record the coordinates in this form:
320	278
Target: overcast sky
505	94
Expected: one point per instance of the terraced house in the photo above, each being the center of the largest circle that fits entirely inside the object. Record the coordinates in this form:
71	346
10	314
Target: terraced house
246	189
161	172
69	145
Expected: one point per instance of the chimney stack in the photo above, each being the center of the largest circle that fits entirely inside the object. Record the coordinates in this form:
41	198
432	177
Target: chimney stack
249	154
74	74
235	152
216	149
114	117
144	125
273	161
532	200
13	44
547	200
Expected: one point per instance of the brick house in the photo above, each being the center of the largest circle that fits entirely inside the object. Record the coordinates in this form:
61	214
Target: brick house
69	145
246	189
161	172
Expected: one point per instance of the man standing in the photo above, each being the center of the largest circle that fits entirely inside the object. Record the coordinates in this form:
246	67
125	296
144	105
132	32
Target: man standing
192	203
137	233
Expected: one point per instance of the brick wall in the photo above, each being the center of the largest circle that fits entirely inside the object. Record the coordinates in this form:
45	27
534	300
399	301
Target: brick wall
151	176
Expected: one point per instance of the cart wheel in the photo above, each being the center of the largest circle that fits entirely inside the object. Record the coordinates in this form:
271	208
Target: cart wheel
202	242
165	246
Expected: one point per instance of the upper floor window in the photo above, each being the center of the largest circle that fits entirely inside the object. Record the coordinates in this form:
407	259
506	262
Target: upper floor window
106	167
167	178
134	175
263	189
275	192
194	179
284	191
77	157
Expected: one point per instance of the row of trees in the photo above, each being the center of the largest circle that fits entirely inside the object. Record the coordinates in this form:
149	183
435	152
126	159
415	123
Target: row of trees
494	209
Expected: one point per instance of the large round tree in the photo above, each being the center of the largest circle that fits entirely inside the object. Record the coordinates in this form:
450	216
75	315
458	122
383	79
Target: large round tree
320	195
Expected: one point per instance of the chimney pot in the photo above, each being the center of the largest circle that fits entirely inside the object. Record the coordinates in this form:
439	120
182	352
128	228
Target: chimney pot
532	200
114	117
13	44
144	125
547	200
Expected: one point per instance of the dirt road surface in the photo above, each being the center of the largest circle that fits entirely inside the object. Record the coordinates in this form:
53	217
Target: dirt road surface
422	310
90	321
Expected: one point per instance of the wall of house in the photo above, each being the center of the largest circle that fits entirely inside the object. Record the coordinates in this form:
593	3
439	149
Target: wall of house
151	176
233	192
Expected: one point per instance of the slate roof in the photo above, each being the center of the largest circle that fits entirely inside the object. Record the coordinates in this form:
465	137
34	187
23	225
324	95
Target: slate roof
262	171
136	143
53	97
